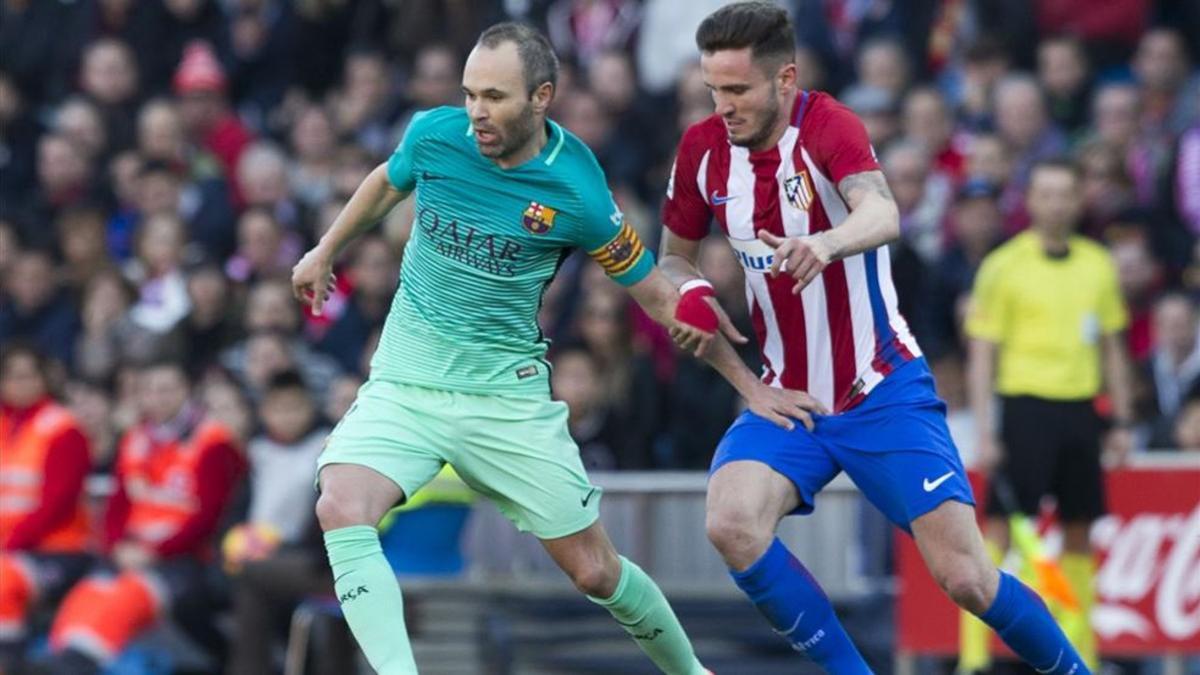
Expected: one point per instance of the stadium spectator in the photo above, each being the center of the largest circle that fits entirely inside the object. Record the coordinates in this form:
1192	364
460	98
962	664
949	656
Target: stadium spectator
274	553
175	473
208	119
80	121
108	332
929	120
1063	72
262	182
975	225
1173	365
83	244
435	80
1045	347
883	64
1162	68
365	107
109	79
1107	187
65	179
34	308
264	248
1022	122
210	325
922	196
878	110
43	526
1140	276
313	142
158	272
91	402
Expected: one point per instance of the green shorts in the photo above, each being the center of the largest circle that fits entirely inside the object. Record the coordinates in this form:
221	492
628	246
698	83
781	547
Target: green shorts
514	450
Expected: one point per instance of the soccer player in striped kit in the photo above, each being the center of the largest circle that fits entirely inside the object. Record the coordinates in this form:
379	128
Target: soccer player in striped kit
792	181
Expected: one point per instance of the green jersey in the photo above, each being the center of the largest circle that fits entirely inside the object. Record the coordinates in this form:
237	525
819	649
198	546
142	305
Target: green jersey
485	243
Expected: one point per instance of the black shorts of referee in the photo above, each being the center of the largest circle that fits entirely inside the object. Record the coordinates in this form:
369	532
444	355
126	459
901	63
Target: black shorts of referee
1051	449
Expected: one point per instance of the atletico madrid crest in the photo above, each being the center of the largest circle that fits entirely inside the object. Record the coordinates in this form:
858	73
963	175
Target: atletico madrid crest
799	191
538	219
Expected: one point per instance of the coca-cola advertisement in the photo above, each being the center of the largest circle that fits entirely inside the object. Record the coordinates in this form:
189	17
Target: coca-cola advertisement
1147	585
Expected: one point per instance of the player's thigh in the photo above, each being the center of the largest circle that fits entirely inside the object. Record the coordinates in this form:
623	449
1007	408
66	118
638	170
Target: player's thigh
762	472
901	457
390	443
517	452
1078	483
1031	436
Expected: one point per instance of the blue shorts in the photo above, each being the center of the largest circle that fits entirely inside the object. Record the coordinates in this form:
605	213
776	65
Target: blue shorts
895	446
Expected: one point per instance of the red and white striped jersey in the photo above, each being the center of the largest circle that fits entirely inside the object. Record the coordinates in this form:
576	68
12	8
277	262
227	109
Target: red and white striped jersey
843	334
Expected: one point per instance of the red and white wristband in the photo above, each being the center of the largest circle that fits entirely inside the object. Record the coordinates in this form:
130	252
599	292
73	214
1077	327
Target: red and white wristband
694	309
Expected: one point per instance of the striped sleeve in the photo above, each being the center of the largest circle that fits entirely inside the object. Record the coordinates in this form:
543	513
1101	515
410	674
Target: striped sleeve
606	236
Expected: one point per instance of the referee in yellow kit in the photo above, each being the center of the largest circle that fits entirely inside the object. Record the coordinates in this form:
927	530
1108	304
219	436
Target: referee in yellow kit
1045	326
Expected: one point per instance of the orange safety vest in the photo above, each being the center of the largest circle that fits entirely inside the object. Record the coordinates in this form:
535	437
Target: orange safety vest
160	480
23	453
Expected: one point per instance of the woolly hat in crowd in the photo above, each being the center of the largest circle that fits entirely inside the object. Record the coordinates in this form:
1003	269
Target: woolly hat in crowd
199	70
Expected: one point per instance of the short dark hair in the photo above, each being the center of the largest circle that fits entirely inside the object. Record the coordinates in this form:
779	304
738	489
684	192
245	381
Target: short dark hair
538	60
762	26
286	380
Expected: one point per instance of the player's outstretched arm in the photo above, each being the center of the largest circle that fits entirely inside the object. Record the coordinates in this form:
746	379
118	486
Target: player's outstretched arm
312	277
874	220
657	295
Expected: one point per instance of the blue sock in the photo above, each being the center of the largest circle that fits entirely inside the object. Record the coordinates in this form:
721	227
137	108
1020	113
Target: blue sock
1021	619
798	610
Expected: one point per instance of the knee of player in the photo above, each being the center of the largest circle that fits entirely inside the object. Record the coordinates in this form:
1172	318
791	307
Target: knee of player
336	510
736	535
595	578
970	584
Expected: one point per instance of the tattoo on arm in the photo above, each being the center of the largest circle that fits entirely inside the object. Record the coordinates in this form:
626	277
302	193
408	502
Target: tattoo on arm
855	187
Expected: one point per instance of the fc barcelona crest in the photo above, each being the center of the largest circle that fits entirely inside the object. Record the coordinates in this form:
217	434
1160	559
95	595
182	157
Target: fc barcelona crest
538	219
799	191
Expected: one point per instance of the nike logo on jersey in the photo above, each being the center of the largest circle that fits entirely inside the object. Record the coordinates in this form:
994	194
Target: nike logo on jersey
429	176
931	485
717	199
587	498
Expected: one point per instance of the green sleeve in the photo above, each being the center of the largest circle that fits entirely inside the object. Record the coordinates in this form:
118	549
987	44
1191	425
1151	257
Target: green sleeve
606	236
400	167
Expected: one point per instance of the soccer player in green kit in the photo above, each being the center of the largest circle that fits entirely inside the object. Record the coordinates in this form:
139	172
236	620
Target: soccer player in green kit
459	377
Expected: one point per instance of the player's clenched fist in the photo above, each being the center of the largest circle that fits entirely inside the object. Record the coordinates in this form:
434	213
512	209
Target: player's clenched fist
313	279
698	316
801	257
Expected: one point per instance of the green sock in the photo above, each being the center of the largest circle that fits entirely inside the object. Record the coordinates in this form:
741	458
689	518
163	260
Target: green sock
370	598
642	609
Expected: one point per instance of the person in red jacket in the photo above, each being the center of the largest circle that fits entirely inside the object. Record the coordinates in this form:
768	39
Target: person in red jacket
43	527
176	472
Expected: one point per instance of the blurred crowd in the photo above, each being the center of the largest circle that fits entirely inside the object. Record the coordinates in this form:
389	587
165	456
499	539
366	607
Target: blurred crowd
164	163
